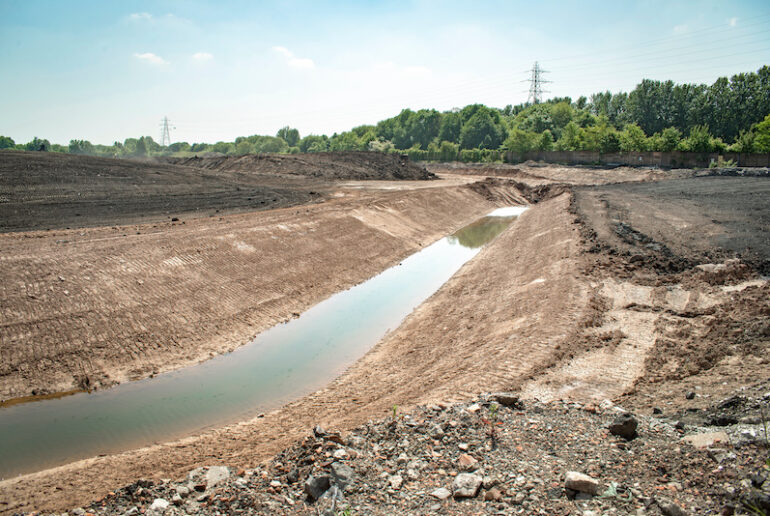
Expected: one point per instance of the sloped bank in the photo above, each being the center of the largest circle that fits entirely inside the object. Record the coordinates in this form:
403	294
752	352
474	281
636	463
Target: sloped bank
499	318
91	307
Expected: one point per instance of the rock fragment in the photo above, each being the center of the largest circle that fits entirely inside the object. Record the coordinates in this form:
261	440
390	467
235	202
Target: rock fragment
317	485
216	475
707	440
467	463
624	426
342	474
466	485
442	493
581	483
669	508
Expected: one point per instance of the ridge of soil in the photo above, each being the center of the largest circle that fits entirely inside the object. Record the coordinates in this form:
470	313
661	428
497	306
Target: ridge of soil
326	165
42	190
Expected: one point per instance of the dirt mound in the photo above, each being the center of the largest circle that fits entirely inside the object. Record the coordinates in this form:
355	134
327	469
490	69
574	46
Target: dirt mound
326	165
501	190
43	190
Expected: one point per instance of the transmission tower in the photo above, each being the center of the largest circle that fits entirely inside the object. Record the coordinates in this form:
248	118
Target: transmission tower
536	82
165	133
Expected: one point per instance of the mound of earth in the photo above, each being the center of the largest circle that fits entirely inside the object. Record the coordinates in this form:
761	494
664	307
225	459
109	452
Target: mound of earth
326	165
42	190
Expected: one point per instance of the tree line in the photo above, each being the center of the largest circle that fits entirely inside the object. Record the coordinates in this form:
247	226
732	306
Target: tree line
729	115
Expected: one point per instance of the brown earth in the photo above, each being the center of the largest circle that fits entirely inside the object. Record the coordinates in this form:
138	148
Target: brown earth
590	294
90	307
325	165
41	190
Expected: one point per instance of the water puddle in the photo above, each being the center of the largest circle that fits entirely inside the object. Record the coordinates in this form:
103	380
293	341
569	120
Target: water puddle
281	364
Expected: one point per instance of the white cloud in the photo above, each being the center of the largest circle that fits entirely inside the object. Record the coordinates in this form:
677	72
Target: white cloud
149	57
140	17
203	56
302	63
732	22
680	29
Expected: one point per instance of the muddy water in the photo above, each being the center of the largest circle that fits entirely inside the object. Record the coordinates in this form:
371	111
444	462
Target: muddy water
281	364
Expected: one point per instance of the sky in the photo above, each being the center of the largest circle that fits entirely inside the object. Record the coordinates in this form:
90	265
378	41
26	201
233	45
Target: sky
104	71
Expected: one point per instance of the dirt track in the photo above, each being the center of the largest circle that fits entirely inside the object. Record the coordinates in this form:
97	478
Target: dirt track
567	303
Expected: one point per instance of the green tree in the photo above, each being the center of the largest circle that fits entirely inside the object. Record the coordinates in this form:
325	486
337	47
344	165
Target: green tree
140	147
223	147
451	125
546	141
244	147
313	143
448	151
269	144
699	140
481	132
80	147
38	145
6	142
761	132
179	147
571	138
289	135
346	141
561	114
633	139
520	142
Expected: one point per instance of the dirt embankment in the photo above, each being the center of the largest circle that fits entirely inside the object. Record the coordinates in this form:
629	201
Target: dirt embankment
95	306
326	165
538	174
501	317
40	190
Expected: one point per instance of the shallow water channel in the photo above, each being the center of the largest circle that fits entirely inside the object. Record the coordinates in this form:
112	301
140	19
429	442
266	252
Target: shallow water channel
282	363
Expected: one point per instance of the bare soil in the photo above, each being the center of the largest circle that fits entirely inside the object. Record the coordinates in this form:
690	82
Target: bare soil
41	190
629	292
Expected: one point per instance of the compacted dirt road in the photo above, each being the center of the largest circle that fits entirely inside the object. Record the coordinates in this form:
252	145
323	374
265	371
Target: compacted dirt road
594	292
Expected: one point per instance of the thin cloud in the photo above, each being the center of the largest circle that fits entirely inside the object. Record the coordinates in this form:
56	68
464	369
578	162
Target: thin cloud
149	57
300	63
732	22
202	57
680	29
140	17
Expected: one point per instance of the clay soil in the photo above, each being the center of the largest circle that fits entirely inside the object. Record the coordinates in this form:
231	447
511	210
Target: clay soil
636	292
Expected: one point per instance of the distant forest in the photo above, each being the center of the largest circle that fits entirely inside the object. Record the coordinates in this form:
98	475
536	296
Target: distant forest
730	115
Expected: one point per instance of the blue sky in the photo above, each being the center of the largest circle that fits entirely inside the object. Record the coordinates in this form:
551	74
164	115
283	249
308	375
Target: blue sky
108	70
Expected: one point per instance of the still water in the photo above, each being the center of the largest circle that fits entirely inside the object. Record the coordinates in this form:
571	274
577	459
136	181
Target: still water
283	363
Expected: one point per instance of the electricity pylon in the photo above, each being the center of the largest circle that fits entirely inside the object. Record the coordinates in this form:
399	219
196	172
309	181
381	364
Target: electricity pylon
536	84
165	134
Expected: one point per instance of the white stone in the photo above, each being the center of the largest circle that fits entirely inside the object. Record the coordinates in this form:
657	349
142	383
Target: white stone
159	505
442	493
581	483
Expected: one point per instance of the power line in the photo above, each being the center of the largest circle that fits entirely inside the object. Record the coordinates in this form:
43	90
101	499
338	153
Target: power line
165	133
536	84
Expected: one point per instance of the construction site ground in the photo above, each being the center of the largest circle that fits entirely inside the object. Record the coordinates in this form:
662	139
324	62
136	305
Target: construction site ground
634	285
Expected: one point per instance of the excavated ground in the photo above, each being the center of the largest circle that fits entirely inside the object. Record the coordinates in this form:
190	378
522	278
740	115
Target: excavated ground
597	292
42	190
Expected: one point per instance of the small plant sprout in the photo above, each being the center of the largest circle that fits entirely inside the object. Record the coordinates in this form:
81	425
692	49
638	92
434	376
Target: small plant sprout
395	410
